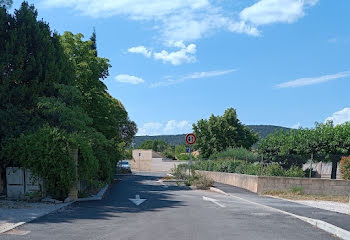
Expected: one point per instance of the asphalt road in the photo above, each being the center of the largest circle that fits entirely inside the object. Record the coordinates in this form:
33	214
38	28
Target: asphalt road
169	212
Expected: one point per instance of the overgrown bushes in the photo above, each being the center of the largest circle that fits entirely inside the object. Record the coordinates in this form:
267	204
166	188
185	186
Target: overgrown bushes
180	172
345	167
235	153
242	167
46	153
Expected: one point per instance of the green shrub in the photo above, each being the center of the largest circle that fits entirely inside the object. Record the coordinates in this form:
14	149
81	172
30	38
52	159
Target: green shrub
345	167
242	167
202	182
235	153
294	171
179	171
274	170
297	190
183	156
47	154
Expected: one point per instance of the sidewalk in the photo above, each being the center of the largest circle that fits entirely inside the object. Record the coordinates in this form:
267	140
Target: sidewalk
16	213
337	219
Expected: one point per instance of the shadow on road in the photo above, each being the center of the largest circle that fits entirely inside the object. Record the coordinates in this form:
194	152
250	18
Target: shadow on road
116	201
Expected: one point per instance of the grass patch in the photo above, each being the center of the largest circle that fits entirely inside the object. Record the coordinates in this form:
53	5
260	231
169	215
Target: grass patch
299	195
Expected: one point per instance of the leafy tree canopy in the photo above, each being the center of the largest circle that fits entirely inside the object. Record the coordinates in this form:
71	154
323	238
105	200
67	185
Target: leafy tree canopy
218	133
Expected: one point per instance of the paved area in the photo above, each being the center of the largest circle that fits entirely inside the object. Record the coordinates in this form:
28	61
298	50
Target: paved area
338	219
326	205
165	212
15	212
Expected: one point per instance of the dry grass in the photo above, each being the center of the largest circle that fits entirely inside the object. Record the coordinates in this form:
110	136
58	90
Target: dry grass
301	196
168	177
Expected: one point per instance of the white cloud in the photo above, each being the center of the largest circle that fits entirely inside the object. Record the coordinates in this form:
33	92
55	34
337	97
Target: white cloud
313	80
273	11
150	128
189	20
186	54
140	50
196	75
340	117
185	20
296	126
171	127
125	78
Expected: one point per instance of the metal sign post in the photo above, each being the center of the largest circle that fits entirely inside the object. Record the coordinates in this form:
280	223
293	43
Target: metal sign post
190	139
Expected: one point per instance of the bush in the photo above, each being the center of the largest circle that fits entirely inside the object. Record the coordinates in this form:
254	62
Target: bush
274	170
46	154
242	167
202	182
297	190
183	156
295	171
345	167
179	171
235	153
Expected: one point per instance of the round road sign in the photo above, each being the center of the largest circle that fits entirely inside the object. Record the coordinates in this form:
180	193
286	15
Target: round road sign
191	138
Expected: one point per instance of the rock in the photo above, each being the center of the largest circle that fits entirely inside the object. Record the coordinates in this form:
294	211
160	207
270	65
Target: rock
50	200
68	199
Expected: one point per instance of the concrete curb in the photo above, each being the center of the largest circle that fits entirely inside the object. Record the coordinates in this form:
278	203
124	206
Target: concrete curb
327	227
96	197
214	189
12	226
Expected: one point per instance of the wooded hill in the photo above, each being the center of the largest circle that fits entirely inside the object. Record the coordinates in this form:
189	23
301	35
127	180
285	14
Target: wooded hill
262	130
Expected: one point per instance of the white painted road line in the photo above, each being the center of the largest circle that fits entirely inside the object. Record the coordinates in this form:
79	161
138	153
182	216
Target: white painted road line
337	231
213	200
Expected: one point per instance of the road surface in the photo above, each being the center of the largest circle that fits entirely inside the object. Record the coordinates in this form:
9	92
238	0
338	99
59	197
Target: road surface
169	212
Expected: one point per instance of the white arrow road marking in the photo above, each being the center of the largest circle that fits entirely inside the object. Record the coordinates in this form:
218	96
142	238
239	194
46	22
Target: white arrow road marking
214	201
137	200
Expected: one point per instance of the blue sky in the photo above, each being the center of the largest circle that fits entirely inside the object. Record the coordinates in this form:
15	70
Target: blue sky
278	62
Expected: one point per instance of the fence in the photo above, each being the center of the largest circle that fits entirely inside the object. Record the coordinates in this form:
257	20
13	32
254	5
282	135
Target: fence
21	182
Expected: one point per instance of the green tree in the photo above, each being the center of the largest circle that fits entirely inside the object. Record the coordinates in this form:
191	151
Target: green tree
32	63
220	132
324	142
155	145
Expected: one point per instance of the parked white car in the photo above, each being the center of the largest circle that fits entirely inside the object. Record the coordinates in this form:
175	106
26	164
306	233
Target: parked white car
124	164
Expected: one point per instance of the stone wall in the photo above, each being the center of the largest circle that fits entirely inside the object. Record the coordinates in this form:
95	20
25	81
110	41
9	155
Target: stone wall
262	184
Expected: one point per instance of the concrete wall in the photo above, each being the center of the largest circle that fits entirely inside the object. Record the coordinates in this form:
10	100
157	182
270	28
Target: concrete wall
263	184
141	160
315	186
248	182
323	169
147	160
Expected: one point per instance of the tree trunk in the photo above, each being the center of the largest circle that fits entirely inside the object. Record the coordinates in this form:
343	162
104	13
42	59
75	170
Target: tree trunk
334	169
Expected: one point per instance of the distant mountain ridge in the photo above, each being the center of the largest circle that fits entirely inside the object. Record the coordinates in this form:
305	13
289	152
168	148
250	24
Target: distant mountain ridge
262	130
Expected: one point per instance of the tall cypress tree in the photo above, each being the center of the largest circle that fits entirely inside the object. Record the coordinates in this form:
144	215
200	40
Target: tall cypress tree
93	40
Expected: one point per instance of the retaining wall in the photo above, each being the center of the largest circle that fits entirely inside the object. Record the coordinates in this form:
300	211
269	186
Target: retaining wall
262	184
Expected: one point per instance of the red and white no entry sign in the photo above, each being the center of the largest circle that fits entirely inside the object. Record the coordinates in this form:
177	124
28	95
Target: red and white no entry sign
191	138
